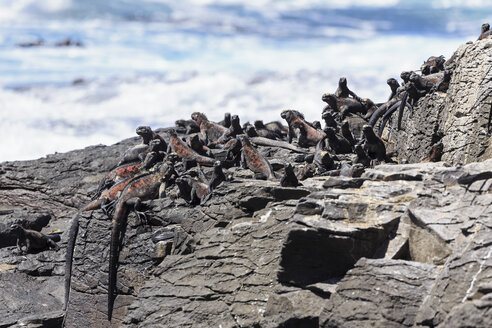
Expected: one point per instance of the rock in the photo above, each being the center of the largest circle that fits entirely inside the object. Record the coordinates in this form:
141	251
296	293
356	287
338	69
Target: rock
379	293
444	117
342	182
451	298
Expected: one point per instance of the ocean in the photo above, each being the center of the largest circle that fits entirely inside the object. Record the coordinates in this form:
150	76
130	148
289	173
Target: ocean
150	62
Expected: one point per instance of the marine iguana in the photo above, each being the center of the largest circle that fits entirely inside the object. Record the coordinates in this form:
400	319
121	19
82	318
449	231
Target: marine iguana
251	131
145	187
138	152
262	131
435	153
179	147
211	131
226	122
390	105
344	105
329	120
394	85
131	169
105	200
343	91
196	144
322	159
295	118
468	179
339	145
307	171
346	133
278	128
235	127
291	115
362	157
233	130
33	240
289	178
252	159
407	91
217	178
418	87
316	125
432	65
405	76
276	143
373	145
187	126
191	190
233	149
485	31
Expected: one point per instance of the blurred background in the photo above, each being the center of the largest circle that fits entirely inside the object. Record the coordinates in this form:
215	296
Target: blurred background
75	73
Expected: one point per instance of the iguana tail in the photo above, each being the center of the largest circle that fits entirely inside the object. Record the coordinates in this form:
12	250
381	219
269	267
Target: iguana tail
387	116
118	223
72	238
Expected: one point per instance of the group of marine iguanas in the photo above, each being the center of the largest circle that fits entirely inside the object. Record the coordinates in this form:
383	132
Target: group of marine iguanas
149	170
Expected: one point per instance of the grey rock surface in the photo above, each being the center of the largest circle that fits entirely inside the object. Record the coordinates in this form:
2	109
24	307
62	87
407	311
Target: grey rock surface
388	294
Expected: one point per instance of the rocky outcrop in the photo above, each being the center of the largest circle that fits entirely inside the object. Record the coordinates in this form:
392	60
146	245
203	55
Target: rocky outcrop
398	246
289	257
459	118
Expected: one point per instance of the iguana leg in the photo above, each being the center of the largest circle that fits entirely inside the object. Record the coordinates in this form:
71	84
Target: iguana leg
108	207
52	244
243	161
20	244
136	203
28	245
194	197
291	133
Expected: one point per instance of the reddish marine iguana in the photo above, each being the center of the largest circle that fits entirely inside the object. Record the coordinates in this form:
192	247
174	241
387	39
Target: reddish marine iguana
252	159
131	169
433	65
211	131
105	200
295	118
179	147
485	31
140	189
344	105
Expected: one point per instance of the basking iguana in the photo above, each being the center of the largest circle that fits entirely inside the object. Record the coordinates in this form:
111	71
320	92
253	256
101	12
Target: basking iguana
142	188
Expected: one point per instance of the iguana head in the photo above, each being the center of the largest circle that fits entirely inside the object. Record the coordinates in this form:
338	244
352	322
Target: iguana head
259	124
198	117
146	133
330	99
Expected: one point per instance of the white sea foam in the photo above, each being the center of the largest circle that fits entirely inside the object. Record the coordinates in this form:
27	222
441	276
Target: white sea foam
106	110
175	58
